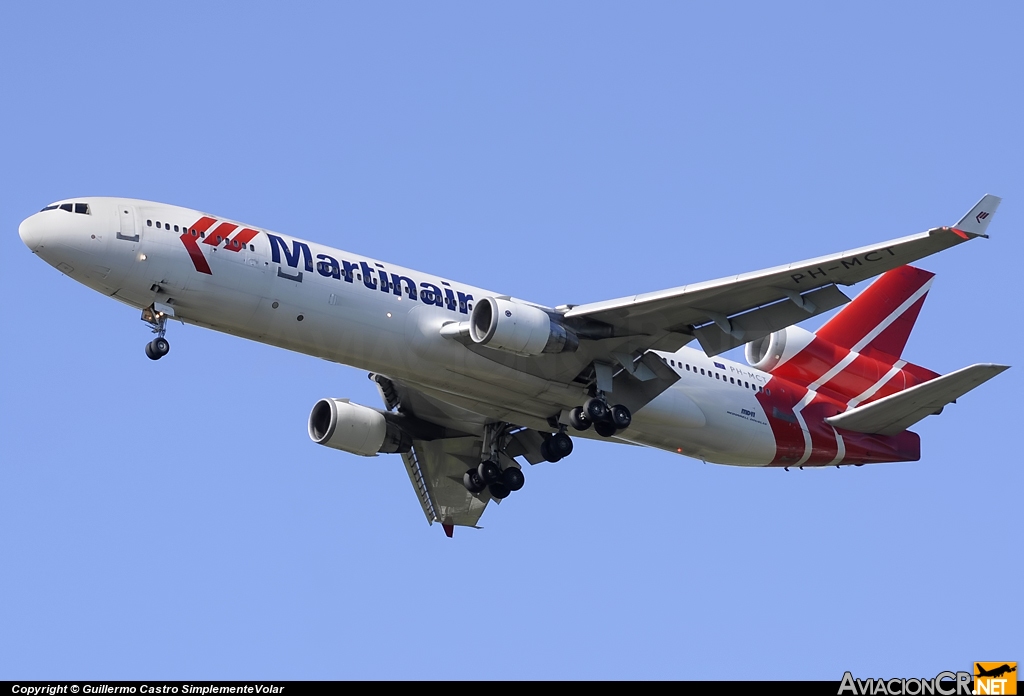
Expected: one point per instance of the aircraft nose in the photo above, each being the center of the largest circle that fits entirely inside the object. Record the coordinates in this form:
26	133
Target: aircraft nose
31	232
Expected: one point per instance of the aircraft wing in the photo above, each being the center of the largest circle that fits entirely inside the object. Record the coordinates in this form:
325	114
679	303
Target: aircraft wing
729	312
435	468
443	449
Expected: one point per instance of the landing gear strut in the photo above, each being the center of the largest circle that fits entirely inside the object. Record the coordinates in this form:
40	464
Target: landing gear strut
607	420
489	475
157	321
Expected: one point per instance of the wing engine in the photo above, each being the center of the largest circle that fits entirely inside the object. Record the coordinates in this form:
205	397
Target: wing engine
340	424
518	328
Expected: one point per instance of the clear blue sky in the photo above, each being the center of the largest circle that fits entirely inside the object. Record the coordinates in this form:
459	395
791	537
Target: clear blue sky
173	519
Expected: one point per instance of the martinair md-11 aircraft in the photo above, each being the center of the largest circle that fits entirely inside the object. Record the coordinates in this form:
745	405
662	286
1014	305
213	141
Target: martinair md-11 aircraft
473	380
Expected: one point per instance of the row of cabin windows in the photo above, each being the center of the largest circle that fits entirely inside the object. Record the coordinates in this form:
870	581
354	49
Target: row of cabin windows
183	228
80	208
719	376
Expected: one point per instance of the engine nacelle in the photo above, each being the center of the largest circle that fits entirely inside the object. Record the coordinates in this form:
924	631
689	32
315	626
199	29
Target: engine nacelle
342	425
769	352
518	328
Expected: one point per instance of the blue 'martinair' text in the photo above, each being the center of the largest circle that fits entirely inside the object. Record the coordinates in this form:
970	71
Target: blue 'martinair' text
374	278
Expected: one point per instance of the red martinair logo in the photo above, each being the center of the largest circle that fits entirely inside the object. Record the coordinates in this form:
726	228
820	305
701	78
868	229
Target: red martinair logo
190	238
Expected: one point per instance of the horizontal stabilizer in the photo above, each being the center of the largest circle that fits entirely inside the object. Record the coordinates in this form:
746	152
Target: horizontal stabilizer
895	413
976	222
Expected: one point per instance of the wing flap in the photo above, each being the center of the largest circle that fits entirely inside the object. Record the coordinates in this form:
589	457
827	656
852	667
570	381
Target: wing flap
895	413
724	335
442	463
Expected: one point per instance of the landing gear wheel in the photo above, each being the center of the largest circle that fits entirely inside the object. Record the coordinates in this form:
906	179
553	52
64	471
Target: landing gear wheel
472	481
560	445
596	408
621	417
157	348
604	428
579	419
499	490
489	471
513	478
545	451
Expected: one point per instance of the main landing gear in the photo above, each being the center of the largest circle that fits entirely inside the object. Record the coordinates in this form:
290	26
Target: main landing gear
159	346
488	475
556	447
607	420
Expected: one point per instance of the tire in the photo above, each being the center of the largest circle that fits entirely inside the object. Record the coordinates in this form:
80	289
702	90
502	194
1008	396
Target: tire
513	478
604	429
472	481
545	451
621	417
579	420
560	445
489	471
160	346
149	352
499	490
596	409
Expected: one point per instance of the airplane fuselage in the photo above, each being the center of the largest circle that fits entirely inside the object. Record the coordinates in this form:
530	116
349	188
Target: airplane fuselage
339	306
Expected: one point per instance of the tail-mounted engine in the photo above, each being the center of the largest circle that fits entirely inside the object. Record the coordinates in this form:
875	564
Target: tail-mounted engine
518	328
768	352
342	425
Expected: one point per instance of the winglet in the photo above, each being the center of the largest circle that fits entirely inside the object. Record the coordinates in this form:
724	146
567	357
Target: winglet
976	222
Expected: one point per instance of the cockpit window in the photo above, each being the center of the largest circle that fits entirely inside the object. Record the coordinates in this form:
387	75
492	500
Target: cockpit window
81	208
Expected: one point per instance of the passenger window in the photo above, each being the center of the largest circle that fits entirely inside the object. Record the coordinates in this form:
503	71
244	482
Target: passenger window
149	223
746	385
717	376
65	206
175	228
732	381
82	208
687	367
702	370
252	247
158	225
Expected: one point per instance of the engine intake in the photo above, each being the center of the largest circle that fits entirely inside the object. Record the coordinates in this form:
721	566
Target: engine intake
518	328
772	350
342	425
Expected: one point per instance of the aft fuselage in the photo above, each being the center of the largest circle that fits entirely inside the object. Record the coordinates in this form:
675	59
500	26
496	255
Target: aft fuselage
339	306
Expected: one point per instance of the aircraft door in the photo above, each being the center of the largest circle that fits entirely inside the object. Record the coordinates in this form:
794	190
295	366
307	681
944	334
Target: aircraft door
128	231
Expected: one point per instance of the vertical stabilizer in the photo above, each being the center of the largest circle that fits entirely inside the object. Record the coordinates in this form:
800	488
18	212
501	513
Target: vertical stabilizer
856	355
879	321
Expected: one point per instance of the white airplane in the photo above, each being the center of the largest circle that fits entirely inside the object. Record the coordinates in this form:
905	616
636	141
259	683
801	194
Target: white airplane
471	380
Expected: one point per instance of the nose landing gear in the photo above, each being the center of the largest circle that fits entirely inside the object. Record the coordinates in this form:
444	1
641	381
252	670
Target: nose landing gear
157	321
157	348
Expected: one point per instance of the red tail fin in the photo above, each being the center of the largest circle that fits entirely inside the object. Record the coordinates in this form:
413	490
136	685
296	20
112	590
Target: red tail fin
856	354
879	321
